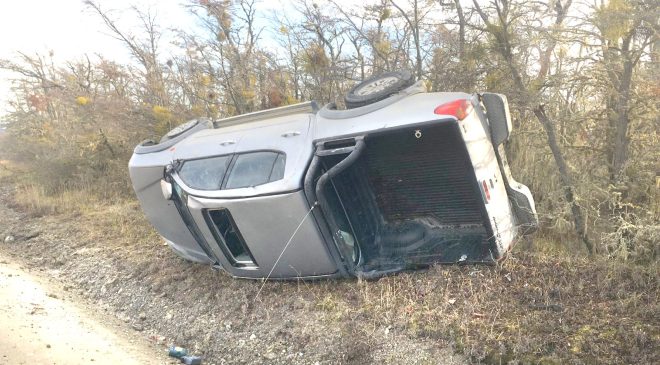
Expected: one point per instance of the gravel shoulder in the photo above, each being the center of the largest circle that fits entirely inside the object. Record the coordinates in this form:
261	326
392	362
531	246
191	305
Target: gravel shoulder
43	324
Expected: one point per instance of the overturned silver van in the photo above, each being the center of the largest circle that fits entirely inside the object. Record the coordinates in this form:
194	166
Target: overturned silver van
401	179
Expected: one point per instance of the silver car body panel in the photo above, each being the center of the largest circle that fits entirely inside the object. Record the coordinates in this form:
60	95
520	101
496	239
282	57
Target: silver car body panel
416	108
289	134
267	223
146	173
267	215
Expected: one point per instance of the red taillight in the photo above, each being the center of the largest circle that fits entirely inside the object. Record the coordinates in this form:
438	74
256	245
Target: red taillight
484	184
460	108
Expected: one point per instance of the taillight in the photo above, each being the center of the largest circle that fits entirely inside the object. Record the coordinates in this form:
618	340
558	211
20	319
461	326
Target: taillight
460	108
484	185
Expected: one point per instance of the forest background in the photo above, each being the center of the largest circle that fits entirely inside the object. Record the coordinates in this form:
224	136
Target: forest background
582	78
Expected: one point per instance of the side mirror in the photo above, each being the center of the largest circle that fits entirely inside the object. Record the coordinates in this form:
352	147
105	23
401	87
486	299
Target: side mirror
499	119
166	188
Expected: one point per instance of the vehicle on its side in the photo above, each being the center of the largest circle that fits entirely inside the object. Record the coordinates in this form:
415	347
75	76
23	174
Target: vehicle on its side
401	179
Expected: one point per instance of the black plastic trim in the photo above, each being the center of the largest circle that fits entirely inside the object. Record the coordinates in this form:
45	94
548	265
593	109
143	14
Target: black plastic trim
221	242
189	221
319	218
326	178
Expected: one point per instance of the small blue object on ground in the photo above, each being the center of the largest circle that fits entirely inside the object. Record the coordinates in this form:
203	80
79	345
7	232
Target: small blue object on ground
176	351
192	360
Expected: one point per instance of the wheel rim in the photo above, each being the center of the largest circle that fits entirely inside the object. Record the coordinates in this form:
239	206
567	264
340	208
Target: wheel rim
377	86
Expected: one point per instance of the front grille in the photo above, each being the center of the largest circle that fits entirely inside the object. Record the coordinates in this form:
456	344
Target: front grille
427	177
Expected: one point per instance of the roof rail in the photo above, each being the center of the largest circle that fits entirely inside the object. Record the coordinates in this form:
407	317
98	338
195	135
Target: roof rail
307	107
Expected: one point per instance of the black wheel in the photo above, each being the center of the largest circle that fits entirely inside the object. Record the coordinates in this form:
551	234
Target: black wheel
378	88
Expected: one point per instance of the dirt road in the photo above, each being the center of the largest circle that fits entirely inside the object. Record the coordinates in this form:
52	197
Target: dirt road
42	325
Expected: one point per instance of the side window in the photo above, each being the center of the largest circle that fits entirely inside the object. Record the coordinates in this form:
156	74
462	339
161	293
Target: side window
256	168
205	174
278	168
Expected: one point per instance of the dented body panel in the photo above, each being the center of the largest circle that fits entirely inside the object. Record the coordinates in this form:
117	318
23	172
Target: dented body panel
363	192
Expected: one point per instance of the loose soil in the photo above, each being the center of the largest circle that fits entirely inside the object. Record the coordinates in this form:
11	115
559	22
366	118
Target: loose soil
174	302
532	309
41	324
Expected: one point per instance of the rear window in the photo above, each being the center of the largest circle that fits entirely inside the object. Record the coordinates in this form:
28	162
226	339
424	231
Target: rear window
256	168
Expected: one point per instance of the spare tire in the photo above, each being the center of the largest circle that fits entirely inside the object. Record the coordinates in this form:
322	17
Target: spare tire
377	88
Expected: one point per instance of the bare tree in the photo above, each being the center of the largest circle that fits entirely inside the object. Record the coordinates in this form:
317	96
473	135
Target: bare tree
501	28
145	50
414	22
626	32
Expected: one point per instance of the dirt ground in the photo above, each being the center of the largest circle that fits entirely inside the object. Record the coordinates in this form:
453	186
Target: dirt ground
44	324
169	301
533	309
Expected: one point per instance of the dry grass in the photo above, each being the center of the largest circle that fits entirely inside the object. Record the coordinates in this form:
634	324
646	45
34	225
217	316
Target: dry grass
5	169
536	308
119	224
544	307
35	199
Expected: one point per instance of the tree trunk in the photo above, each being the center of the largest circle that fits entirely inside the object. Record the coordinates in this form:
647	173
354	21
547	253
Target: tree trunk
418	51
620	149
506	51
414	29
461	30
564	174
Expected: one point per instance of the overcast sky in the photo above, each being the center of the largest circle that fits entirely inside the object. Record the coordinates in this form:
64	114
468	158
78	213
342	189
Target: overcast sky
70	30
